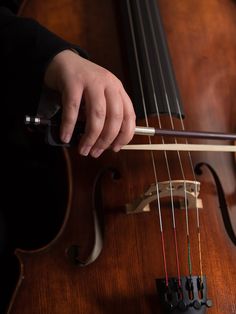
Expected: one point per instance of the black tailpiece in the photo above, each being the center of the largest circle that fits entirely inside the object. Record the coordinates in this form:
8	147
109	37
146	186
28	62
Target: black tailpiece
189	297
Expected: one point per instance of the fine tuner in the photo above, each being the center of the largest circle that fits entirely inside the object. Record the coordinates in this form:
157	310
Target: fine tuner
151	131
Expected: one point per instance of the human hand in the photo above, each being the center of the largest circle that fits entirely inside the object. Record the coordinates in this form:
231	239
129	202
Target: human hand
110	117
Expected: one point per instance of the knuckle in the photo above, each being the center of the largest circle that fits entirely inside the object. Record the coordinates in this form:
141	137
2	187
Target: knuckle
73	104
104	142
131	116
112	79
108	75
99	112
118	116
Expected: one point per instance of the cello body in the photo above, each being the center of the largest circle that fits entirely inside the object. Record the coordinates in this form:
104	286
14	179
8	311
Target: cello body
104	260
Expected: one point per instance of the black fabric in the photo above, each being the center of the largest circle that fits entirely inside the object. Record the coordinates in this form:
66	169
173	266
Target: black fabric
26	48
13	5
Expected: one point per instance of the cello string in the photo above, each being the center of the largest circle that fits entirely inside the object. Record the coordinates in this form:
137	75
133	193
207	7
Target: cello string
170	180
162	139
165	152
149	138
197	208
172	126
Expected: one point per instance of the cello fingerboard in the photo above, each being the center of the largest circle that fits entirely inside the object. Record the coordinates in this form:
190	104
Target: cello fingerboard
153	83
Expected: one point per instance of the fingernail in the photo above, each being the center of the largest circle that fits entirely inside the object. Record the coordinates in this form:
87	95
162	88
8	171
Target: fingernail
97	152
117	148
66	138
85	150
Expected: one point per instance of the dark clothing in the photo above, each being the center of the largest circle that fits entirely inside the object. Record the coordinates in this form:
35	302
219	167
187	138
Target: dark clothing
28	173
26	49
13	5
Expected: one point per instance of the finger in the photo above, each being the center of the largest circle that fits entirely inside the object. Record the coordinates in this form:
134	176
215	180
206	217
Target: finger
70	107
112	125
128	124
95	118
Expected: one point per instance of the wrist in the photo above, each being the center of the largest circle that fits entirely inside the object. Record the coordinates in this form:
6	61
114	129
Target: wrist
54	73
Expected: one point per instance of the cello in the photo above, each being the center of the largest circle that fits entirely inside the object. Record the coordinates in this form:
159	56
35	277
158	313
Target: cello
150	232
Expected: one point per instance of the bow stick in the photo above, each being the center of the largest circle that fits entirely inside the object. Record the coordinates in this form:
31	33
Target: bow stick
149	131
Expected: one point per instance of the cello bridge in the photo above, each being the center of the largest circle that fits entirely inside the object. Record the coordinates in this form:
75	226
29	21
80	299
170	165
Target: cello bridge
179	190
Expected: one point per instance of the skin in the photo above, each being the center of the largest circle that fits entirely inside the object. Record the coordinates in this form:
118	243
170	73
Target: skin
109	113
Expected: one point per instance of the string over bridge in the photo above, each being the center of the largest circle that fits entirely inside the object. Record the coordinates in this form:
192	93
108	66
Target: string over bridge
176	188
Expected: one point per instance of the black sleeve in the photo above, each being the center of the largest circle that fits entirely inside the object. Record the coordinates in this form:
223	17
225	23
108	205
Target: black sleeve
26	49
13	5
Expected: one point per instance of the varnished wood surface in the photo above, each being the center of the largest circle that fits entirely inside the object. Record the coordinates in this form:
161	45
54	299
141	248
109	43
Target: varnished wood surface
202	41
